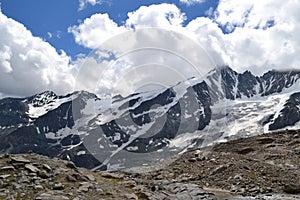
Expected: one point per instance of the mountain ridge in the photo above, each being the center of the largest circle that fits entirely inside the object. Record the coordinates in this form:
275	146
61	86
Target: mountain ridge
149	122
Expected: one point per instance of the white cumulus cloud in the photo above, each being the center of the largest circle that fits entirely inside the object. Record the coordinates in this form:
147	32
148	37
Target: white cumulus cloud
263	34
95	30
83	3
151	37
246	35
28	64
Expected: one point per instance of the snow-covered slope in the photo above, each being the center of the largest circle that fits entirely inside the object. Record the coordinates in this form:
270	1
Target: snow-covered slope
143	127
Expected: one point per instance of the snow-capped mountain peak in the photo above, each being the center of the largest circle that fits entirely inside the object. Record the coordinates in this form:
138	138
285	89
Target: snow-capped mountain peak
196	112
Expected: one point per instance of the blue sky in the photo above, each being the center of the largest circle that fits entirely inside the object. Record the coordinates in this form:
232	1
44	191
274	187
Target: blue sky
40	41
54	17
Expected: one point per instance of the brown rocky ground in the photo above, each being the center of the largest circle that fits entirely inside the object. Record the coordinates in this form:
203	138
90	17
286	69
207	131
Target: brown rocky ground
260	167
253	166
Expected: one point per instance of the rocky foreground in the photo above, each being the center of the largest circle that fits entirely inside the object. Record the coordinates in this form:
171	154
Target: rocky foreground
260	167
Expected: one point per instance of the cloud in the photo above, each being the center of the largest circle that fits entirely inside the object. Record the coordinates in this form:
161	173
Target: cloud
99	27
262	35
95	30
83	3
152	37
28	64
191	2
245	35
162	15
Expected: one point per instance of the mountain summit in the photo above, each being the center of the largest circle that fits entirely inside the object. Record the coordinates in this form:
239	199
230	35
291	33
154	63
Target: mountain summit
144	127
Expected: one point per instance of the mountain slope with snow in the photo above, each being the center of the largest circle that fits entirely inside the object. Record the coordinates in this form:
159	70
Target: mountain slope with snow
144	127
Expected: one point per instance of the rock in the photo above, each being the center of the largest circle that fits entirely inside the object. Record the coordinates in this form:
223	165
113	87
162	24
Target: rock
292	189
245	150
58	186
7	168
31	168
187	191
18	165
4	176
47	196
83	188
112	175
71	178
192	159
19	159
38	187
86	184
6	155
131	196
219	169
32	174
71	165
238	176
43	174
201	158
17	186
80	177
90	177
265	140
47	168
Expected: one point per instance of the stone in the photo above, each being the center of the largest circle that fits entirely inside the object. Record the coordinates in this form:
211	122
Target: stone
265	140
4	176
38	187
201	158
71	165
58	186
31	168
111	175
70	178
47	196
192	160
90	177
19	159
17	186
47	168
292	189
219	169
83	188
131	196
6	155
18	165
7	168
245	150
43	174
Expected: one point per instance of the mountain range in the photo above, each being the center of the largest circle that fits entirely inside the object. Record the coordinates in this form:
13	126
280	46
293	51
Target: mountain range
122	132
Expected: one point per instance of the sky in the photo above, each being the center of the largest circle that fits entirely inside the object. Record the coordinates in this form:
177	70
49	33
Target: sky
64	45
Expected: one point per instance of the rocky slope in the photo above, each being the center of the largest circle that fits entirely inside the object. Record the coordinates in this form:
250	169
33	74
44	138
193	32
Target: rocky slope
259	167
253	166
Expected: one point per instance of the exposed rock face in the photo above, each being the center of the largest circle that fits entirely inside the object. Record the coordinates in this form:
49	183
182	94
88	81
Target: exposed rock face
289	115
59	126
